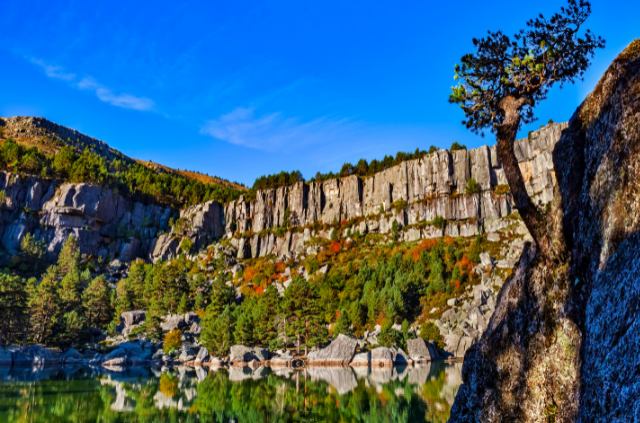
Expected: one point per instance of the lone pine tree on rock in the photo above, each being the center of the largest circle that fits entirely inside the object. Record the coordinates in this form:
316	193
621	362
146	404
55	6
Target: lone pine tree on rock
506	78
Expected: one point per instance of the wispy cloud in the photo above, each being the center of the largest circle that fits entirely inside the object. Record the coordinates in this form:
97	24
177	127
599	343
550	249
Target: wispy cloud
126	101
105	94
274	131
53	71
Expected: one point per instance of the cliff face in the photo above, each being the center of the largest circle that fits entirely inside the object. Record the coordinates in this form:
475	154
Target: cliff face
410	193
432	186
564	342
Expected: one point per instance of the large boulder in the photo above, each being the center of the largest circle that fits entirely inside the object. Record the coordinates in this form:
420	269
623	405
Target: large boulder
382	357
173	322
134	317
241	354
362	359
36	356
402	358
421	350
71	356
203	356
338	353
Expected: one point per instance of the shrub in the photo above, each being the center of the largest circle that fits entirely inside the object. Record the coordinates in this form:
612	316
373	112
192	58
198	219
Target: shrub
473	187
429	332
186	245
501	189
456	146
172	341
311	264
399	205
438	222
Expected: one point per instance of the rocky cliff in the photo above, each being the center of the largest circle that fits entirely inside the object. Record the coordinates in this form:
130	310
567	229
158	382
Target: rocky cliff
564	342
412	194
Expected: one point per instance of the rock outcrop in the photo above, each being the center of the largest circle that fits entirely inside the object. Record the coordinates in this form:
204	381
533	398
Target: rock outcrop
563	343
338	353
419	350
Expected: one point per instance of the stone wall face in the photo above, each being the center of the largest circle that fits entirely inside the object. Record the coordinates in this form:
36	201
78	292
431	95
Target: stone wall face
426	184
110	226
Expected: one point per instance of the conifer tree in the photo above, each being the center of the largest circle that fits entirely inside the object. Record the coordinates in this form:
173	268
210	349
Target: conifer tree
69	256
301	307
200	303
243	333
13	308
183	307
342	324
72	327
505	78
97	302
266	317
217	331
221	295
46	310
154	319
388	335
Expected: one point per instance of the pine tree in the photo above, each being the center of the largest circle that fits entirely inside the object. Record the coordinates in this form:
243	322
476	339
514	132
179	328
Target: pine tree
217	331
221	295
199	303
154	319
97	303
73	325
46	310
124	300
69	256
244	323
388	335
266	317
183	307
301	307
342	324
13	308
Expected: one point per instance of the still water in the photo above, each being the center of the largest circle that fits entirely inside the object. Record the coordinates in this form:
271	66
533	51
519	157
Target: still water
239	395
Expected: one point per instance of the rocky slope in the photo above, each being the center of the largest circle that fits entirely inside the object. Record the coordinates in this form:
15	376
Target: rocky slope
563	344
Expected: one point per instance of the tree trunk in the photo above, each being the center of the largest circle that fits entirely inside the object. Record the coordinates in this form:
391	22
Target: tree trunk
506	136
25	335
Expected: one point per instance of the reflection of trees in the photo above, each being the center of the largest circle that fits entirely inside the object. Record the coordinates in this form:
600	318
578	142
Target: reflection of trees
259	396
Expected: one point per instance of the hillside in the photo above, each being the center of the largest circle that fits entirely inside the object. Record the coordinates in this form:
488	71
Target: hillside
50	138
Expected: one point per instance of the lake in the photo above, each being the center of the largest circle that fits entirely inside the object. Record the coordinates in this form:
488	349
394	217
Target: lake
423	393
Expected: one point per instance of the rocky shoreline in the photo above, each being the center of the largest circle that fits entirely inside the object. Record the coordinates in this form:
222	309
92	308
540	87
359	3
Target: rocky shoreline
341	352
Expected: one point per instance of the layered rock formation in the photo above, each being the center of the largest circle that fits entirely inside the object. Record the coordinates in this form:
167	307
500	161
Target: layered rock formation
411	194
105	224
564	342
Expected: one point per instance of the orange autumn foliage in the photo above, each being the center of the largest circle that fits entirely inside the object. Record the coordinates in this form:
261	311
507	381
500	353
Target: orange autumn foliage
425	245
281	266
249	272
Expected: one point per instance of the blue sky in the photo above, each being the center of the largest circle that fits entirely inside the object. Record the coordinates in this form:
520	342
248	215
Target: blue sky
240	89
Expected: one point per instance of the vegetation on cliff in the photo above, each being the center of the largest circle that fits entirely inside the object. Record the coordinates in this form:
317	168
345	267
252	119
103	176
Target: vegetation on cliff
129	179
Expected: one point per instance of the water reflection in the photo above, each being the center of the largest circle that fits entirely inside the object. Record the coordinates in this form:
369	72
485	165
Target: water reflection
88	394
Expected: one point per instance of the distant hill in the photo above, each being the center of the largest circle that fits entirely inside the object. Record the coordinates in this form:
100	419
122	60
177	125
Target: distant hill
51	138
